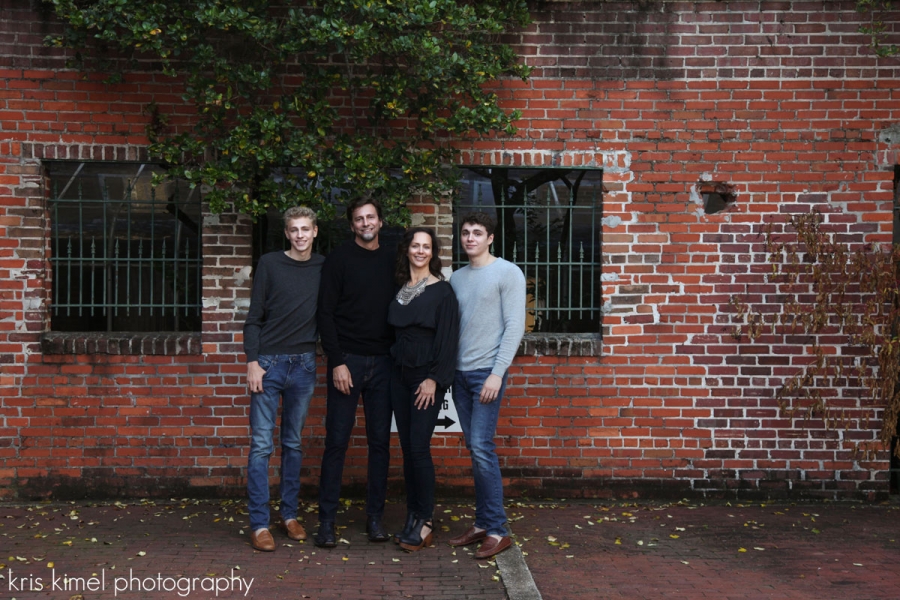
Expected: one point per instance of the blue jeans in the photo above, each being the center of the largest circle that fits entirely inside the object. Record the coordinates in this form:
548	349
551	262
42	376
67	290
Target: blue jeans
292	378
371	378
415	426
479	424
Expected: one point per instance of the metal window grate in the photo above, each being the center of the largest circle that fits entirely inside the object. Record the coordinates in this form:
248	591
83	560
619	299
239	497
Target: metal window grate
125	253
548	223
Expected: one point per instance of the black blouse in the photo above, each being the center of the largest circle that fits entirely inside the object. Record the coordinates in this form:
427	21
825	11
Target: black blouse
427	332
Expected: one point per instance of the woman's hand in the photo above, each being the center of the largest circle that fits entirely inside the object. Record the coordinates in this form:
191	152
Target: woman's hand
425	394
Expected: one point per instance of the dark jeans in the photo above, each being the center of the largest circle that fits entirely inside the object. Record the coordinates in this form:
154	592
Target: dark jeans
415	427
371	379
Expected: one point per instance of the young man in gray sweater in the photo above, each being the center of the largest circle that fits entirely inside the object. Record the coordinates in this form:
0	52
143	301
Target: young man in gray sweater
491	294
280	343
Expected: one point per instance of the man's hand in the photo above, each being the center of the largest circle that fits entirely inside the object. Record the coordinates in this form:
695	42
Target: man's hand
491	389
342	380
255	376
425	394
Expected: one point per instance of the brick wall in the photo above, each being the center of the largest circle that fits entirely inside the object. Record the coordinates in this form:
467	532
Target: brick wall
782	100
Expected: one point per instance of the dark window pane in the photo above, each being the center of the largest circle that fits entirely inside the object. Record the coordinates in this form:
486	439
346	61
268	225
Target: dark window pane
125	254
548	223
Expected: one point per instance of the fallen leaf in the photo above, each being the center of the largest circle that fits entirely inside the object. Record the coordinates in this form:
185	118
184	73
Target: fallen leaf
742	549
142	553
674	536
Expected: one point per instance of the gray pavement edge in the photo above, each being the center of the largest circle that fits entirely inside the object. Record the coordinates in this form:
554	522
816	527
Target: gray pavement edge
516	577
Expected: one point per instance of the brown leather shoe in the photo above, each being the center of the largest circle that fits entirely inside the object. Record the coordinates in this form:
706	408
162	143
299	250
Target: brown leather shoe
469	537
492	546
262	541
294	529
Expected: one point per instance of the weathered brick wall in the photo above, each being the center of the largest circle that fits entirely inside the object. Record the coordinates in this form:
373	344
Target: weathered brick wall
783	100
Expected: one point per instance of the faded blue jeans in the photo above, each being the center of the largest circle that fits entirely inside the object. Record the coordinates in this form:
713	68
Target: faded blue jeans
479	424
291	378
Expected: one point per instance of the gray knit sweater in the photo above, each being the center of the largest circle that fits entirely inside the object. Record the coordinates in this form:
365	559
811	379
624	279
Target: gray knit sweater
282	316
492	315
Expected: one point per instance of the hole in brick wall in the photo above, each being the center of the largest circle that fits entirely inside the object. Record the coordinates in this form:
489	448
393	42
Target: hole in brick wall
716	196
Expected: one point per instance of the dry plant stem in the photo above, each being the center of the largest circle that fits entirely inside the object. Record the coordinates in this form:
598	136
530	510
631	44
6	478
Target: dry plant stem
840	302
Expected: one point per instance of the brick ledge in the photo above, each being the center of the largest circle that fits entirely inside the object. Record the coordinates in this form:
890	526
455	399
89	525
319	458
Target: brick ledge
164	344
551	344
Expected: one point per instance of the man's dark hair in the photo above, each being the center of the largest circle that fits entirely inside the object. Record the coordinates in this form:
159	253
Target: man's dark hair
361	201
480	218
401	271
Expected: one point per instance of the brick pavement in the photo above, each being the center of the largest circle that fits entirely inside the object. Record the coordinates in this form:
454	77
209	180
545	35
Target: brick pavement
204	540
821	551
574	550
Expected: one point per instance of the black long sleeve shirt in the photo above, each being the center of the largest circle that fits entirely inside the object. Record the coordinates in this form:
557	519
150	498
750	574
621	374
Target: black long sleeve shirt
357	286
282	316
427	331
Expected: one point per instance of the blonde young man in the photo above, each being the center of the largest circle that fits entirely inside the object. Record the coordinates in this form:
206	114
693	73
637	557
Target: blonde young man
280	343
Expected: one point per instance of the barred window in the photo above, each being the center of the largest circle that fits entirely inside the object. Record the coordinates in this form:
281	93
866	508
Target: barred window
125	254
549	224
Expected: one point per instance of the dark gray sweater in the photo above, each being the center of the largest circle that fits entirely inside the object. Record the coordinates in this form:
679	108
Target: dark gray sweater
282	317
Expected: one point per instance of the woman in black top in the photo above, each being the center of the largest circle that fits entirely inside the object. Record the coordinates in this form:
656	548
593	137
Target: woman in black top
425	317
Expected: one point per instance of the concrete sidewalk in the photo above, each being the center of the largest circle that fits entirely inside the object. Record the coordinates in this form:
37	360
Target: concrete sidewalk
188	548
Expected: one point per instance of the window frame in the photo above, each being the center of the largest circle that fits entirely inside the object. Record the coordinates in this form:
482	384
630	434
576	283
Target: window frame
585	340
181	212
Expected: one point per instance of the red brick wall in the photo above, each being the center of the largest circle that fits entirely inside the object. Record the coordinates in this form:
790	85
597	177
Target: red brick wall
783	100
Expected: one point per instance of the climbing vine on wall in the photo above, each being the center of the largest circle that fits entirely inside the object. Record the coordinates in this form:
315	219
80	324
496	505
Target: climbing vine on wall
834	306
294	100
876	29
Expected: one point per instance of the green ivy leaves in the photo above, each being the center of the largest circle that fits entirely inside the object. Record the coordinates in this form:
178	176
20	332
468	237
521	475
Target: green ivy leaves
301	103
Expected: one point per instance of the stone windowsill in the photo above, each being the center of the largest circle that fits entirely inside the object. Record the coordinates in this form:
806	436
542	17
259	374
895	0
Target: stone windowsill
560	344
123	343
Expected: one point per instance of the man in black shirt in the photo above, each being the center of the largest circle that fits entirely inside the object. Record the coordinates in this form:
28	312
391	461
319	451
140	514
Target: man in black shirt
357	287
280	344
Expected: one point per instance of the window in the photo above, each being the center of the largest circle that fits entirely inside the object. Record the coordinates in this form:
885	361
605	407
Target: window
125	254
549	224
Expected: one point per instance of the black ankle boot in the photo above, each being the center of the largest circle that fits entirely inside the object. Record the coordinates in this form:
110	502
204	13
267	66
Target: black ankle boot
414	541
407	529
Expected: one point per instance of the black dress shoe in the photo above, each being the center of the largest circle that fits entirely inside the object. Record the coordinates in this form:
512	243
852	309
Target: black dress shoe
407	529
376	531
325	537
